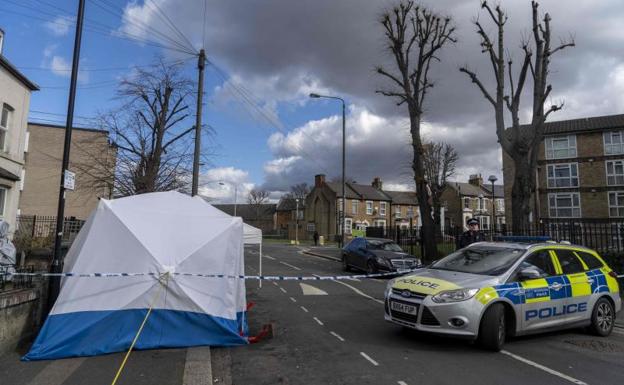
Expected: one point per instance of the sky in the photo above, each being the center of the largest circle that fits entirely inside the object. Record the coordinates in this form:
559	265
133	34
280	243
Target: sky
266	56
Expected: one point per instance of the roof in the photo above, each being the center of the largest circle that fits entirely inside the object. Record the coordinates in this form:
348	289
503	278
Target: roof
349	191
403	197
359	191
499	190
468	189
248	211
47	125
14	71
607	122
289	204
8	175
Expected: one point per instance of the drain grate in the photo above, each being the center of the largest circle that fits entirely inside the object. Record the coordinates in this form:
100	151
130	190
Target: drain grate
599	346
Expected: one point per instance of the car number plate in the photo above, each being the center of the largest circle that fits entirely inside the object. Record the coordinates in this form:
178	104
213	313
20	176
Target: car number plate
404	308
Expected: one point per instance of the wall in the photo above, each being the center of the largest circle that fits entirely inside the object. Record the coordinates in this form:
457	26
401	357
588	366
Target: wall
21	313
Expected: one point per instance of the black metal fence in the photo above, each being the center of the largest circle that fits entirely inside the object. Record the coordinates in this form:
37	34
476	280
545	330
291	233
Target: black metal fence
606	236
34	231
18	281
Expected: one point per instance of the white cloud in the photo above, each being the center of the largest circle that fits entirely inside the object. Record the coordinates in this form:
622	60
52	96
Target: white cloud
60	66
225	185
60	26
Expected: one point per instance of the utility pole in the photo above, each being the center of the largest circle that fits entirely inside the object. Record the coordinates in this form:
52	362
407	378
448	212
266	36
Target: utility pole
297	222
57	260
201	64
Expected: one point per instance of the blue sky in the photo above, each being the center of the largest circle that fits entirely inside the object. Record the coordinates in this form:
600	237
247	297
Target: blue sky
280	50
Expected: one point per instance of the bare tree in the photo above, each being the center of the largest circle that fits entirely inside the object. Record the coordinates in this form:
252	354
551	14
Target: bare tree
521	143
299	191
439	161
257	197
415	35
151	131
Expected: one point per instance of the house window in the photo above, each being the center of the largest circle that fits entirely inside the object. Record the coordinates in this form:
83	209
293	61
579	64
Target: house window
410	212
500	205
559	147
615	172
484	222
3	194
339	205
382	209
500	222
348	225
369	207
564	205
480	204
379	223
616	204
466	203
5	121
397	211
354	206
563	175
613	142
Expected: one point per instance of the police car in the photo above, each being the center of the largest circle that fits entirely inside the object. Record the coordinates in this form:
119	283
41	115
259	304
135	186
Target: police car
488	291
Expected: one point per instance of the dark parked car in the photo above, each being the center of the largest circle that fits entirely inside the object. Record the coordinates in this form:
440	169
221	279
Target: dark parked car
375	255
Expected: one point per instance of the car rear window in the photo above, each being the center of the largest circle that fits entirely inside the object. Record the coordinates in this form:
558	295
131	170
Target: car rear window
591	261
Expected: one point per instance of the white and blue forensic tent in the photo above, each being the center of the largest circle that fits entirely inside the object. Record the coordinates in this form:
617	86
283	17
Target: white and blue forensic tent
160	233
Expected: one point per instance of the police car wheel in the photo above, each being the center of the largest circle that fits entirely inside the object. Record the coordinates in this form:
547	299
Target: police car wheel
603	317
345	265
493	329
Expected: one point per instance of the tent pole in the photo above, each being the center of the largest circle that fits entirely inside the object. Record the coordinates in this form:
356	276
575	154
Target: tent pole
260	269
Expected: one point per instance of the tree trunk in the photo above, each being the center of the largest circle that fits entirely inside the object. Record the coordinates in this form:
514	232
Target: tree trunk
523	186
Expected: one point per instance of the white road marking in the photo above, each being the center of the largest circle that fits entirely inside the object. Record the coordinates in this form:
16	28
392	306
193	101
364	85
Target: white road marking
353	279
282	289
289	265
402	383
337	336
197	367
275	283
318	321
292	299
317	257
268	257
311	290
369	359
304	309
544	368
358	291
56	372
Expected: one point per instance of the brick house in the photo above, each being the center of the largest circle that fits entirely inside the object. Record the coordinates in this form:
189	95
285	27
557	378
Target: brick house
580	170
286	217
90	150
366	205
15	92
473	199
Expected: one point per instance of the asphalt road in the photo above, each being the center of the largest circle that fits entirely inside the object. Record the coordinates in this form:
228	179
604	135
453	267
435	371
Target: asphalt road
333	332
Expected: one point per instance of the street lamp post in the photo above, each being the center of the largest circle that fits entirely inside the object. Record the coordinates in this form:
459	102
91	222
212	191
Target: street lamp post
235	193
342	213
297	222
493	179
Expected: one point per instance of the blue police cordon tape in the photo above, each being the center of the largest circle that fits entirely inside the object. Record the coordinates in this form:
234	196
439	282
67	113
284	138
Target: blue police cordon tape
250	277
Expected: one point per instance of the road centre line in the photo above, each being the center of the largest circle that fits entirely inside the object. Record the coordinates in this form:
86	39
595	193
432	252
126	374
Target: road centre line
337	336
282	289
318	321
292	299
304	309
367	357
544	368
275	283
402	383
268	257
289	265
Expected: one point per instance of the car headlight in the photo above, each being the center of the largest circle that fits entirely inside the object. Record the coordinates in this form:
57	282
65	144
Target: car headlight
382	261
388	288
454	295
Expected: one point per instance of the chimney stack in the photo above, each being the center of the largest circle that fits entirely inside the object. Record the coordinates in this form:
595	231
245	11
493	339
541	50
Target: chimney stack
1	40
475	180
377	183
319	180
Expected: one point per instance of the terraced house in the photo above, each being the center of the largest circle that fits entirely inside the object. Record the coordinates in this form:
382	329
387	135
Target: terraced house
366	205
580	170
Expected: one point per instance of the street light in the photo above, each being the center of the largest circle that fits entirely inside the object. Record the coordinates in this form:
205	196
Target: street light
297	222
235	192
342	214
493	179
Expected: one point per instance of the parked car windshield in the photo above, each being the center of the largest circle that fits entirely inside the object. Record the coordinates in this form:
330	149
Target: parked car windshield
482	260
383	245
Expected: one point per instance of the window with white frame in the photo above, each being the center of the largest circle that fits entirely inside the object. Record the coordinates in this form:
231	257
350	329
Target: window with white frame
484	221
559	147
379	223
397	211
563	175
382	209
348	225
5	121
615	172
466	203
613	142
564	205
339	205
616	203
500	205
410	212
369	207
3	194
354	206
480	204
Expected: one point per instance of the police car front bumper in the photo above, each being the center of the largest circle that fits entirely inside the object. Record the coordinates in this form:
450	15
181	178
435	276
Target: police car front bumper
460	319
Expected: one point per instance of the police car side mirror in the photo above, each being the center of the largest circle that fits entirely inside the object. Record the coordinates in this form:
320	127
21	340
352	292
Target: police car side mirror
528	273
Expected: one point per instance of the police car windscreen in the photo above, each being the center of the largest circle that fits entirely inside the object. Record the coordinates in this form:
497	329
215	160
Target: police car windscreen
480	260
